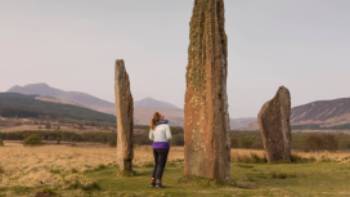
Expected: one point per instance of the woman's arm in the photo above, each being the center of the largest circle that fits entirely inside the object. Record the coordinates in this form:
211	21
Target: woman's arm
168	132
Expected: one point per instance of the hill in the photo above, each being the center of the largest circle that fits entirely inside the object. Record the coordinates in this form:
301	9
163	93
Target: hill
70	97
243	124
144	108
323	114
14	105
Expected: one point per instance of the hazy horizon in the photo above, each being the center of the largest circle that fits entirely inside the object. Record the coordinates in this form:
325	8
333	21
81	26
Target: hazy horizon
72	45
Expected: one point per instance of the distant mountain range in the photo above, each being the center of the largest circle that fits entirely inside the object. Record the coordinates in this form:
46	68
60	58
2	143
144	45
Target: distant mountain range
144	108
323	114
14	105
68	97
319	114
328	114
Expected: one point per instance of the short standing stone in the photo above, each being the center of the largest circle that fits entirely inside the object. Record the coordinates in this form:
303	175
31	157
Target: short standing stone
274	123
124	112
207	144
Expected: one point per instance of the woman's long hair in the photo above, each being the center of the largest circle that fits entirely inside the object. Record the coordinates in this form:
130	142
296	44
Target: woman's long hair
155	120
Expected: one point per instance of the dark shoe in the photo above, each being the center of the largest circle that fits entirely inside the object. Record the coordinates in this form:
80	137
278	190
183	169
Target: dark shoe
159	184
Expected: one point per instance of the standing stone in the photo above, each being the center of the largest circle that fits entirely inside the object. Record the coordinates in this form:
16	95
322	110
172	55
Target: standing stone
274	123
124	112
207	144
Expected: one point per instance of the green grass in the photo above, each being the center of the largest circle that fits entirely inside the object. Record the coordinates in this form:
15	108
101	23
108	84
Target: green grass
307	179
302	179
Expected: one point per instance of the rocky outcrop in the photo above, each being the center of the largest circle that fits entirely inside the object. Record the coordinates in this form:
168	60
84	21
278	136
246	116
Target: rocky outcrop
207	145
124	112
274	123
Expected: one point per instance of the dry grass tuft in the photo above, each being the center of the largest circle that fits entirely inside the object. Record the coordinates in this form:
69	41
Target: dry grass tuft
324	156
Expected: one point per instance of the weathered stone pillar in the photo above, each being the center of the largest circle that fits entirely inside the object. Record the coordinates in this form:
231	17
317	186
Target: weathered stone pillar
207	143
124	106
274	123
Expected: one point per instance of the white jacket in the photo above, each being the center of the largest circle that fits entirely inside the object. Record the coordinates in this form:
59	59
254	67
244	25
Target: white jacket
161	133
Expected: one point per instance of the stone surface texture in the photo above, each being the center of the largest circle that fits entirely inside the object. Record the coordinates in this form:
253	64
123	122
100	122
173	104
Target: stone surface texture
124	112
206	126
274	124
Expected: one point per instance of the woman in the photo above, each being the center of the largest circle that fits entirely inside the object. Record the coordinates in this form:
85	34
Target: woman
160	134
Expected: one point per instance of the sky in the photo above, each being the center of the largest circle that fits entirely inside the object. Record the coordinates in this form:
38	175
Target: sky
72	45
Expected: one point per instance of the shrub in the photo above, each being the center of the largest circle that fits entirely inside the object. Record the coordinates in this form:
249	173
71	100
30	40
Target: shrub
113	139
317	142
246	139
234	142
178	140
142	139
33	140
113	143
247	142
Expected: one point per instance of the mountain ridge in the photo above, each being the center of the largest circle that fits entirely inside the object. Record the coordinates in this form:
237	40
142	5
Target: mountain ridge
73	97
144	108
318	114
16	105
323	113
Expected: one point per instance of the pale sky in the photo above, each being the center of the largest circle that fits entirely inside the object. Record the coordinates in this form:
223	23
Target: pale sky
72	45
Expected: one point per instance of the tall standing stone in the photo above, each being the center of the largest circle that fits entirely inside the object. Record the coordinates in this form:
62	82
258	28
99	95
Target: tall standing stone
124	112
274	123
207	144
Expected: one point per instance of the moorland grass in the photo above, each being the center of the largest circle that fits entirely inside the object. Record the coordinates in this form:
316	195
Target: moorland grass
302	179
310	174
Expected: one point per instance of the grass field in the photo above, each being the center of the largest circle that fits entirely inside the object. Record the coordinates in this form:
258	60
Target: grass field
89	170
